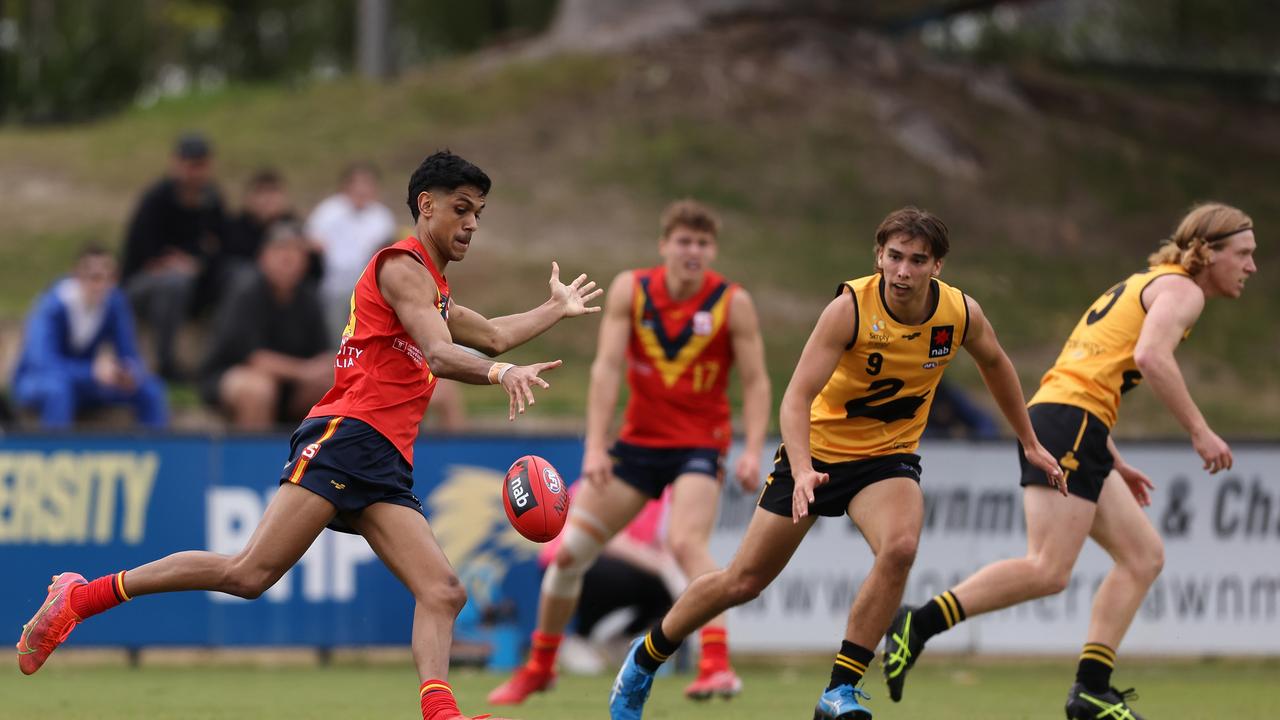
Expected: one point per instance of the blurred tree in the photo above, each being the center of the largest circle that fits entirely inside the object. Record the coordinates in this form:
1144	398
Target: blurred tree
66	60
57	62
1210	35
1235	35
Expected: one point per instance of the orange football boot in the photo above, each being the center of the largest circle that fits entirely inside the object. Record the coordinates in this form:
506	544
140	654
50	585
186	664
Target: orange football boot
51	624
524	683
722	681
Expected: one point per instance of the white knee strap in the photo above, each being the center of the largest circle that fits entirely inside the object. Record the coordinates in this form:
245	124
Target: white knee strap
564	579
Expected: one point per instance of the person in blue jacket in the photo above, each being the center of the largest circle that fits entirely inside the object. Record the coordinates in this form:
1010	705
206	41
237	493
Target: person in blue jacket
65	365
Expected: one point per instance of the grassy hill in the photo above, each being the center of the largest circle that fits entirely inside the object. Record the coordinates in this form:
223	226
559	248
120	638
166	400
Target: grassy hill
1053	186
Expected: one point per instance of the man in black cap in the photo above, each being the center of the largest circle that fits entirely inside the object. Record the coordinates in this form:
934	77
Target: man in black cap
177	228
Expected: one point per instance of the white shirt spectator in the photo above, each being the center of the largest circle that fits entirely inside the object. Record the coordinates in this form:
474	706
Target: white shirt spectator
350	235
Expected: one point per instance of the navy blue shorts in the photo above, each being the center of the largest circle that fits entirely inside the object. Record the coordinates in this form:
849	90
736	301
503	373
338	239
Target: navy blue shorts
348	463
651	470
847	479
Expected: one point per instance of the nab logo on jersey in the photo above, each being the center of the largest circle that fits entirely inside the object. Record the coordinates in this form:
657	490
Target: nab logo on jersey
940	340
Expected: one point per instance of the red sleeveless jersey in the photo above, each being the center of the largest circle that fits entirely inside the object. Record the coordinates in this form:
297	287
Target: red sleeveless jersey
380	375
678	360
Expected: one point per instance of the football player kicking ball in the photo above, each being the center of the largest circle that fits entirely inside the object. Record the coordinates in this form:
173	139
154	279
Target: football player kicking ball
350	464
851	420
1129	333
677	328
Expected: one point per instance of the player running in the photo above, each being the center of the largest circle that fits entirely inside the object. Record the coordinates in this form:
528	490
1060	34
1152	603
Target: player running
679	327
1128	334
350	465
851	420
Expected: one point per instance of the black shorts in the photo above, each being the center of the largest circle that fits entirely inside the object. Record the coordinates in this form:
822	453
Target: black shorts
651	470
847	480
1078	439
348	463
613	584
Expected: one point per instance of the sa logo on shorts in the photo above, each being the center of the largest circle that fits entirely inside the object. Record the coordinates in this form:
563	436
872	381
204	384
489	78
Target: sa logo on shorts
551	479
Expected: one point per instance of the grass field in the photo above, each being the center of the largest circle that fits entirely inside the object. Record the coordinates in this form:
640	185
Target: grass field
952	688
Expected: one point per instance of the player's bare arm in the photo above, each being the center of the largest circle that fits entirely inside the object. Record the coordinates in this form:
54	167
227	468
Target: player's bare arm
407	287
498	335
818	360
1173	305
748	353
606	377
1139	484
1002	381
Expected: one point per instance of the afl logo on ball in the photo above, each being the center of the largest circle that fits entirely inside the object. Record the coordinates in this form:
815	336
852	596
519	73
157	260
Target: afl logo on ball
519	494
551	479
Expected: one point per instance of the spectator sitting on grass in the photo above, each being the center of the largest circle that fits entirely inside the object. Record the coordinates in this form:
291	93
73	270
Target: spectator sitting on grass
268	358
79	350
179	223
350	226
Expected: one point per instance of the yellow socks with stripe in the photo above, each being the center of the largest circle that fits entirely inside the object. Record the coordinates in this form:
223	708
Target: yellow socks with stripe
437	701
941	613
850	665
1096	663
655	649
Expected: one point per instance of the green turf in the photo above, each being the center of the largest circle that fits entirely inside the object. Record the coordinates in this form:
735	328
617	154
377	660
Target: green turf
952	688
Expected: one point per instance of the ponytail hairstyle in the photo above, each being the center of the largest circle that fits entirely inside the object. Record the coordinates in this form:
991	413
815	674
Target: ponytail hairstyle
1206	227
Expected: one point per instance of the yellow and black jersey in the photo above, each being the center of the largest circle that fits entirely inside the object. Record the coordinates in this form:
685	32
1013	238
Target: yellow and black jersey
877	400
1096	365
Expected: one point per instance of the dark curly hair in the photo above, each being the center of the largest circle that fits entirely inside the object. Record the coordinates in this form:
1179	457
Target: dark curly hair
443	170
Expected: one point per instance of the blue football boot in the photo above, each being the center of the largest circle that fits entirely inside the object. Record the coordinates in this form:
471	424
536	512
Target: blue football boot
630	688
841	703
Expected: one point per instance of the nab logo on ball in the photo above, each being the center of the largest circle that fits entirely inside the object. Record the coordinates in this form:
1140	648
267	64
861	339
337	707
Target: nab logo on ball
536	509
519	496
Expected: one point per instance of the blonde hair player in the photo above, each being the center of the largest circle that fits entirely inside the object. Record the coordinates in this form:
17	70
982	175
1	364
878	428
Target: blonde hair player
1128	334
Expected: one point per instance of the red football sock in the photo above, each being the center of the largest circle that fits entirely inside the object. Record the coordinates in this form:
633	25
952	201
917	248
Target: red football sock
437	701
715	648
102	594
543	650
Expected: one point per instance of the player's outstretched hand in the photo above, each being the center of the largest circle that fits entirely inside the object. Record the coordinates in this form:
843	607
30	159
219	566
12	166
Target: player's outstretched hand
596	466
519	381
1038	456
1139	484
747	471
574	297
805	483
1213	450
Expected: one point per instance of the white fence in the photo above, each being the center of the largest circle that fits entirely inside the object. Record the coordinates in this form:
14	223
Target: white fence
1219	592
